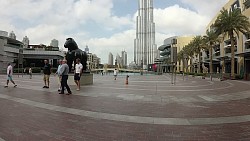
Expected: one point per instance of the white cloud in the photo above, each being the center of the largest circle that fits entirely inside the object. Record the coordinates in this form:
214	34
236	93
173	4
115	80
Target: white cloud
114	44
44	20
177	20
207	8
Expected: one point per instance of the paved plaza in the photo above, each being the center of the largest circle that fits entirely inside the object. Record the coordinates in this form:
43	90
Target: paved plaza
149	108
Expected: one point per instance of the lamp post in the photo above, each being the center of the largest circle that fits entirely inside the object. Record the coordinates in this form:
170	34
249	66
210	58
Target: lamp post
173	59
184	64
141	67
20	60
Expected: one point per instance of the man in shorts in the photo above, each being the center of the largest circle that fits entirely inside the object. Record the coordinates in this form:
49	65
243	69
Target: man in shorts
46	72
9	75
78	73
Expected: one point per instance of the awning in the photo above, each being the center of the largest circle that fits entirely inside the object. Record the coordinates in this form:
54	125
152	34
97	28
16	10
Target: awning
243	54
163	47
165	53
10	40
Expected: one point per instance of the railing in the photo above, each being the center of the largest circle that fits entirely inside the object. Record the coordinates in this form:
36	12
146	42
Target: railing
247	47
42	52
247	4
11	49
12	46
228	50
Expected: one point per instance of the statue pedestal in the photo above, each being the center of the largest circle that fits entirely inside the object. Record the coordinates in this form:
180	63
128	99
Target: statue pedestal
86	79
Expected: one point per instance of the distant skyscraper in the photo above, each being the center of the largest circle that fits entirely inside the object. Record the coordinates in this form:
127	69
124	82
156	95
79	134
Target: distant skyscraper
124	58
119	61
87	49
54	43
111	59
12	35
26	42
3	33
144	44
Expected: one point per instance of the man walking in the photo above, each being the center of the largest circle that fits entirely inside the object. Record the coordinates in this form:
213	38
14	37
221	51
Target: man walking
59	77
9	75
78	73
63	72
46	72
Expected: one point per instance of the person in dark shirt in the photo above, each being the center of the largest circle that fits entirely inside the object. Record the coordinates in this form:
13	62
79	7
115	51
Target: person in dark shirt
46	72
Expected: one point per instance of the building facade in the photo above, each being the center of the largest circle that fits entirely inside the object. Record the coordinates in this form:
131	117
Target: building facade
26	42
111	59
118	61
54	43
165	49
21	54
86	49
93	61
124	59
145	49
10	51
222	52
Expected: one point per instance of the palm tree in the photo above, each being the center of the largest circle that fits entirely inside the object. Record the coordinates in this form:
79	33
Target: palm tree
188	50
228	23
180	57
210	39
197	46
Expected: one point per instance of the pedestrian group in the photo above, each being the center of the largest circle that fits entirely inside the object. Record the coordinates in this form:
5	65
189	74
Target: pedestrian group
62	74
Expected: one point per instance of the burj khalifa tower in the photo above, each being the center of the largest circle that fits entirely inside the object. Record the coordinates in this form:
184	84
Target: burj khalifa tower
145	49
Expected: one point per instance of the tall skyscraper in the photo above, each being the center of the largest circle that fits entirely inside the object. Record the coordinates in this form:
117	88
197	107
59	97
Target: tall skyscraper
54	43
144	44
87	49
119	61
124	58
111	59
26	42
12	35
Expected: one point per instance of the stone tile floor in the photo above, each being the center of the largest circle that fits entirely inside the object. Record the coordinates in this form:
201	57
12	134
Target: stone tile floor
149	108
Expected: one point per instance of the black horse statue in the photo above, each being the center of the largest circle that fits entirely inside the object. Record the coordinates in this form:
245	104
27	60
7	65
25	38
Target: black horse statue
73	53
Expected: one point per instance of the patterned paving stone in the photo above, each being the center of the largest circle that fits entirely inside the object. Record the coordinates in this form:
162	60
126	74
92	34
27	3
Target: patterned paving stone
151	109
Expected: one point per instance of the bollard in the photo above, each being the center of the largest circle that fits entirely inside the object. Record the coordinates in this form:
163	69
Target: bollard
127	80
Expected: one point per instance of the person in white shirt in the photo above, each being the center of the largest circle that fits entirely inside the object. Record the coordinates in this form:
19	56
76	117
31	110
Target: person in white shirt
78	73
115	74
30	72
59	77
9	75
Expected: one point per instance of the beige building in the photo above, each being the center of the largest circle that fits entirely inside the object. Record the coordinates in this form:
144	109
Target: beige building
93	61
166	47
222	52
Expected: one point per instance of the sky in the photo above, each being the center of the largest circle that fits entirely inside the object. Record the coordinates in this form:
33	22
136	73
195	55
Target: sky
104	25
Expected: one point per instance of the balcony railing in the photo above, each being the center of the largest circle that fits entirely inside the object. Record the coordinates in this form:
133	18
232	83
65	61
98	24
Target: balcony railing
247	4
216	54
228	50
247	46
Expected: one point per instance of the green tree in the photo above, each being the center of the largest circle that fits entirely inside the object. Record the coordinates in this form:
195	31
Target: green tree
210	39
198	44
188	51
230	23
180	57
